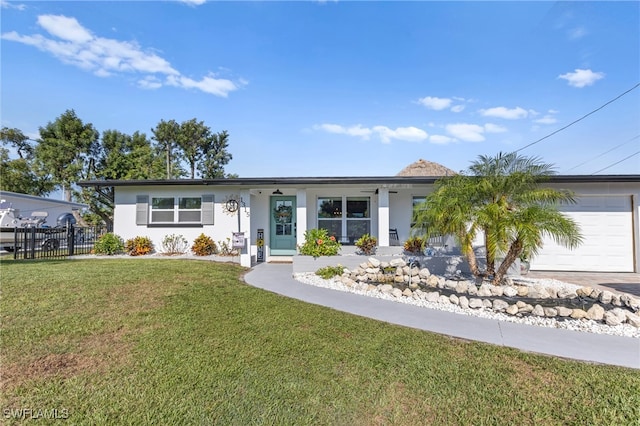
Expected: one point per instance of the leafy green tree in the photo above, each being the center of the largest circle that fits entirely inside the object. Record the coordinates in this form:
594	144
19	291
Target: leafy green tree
126	157
449	211
193	140
166	134
502	199
121	157
18	176
18	140
216	156
67	150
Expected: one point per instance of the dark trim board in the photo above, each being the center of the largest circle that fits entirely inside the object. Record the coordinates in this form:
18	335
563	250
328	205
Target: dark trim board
174	225
348	180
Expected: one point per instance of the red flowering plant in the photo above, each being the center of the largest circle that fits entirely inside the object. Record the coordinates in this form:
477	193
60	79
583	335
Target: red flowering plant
318	242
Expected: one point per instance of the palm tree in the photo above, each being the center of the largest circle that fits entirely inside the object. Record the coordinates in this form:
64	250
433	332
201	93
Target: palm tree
502	198
449	211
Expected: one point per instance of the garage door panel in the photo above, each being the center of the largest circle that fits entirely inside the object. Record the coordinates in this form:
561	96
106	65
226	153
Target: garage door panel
607	228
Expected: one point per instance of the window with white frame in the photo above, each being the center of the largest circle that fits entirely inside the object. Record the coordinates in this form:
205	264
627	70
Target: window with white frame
330	216
346	224
165	210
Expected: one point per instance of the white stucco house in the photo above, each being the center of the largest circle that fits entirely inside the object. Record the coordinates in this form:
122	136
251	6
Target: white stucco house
274	213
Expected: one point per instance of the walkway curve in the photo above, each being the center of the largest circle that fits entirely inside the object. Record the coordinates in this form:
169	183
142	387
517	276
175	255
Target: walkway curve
591	347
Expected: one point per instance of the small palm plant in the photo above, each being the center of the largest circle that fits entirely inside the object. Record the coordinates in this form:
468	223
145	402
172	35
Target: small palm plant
502	199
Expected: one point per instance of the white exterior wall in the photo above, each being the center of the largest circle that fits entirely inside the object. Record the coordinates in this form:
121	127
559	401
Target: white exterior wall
124	218
401	209
301	215
255	214
383	217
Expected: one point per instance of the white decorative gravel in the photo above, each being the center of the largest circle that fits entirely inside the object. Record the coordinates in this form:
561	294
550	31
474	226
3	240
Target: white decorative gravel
583	325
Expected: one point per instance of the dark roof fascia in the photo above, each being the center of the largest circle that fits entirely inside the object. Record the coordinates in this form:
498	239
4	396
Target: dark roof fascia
349	180
594	178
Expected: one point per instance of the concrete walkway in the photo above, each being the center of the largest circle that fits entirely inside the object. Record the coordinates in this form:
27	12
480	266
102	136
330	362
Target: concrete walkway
598	348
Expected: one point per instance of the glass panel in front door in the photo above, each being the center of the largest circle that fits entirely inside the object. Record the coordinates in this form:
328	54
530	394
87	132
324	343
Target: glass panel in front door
283	215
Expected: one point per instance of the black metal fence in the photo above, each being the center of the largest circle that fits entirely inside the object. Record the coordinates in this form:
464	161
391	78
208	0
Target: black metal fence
53	243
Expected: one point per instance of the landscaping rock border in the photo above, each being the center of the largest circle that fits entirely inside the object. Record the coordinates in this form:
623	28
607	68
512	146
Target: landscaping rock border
401	280
532	300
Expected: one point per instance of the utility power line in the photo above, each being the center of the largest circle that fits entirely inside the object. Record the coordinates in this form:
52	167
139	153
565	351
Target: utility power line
606	152
579	119
617	162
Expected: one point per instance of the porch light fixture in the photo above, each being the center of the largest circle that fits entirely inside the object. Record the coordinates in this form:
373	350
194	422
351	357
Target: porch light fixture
277	192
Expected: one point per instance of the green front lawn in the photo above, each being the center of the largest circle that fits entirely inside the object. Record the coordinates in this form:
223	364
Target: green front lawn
161	341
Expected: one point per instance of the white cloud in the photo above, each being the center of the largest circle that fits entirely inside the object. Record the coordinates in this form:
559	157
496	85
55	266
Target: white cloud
441	139
73	44
65	28
546	119
10	5
149	82
386	134
494	128
193	2
411	134
577	33
466	132
506	113
439	104
356	130
582	78
434	103
208	84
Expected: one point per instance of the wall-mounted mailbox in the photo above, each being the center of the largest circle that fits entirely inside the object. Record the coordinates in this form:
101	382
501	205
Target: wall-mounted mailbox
238	240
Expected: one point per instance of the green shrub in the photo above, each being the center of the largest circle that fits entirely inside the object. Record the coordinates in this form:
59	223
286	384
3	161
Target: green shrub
204	246
330	271
138	246
367	244
109	244
174	244
317	242
414	245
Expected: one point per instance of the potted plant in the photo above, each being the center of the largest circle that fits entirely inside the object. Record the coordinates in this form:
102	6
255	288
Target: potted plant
318	242
414	245
367	244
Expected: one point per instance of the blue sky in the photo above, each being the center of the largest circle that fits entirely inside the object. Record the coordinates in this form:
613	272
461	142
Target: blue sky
338	88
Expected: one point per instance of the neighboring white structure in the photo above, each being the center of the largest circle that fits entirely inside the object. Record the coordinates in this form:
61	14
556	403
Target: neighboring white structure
274	214
25	205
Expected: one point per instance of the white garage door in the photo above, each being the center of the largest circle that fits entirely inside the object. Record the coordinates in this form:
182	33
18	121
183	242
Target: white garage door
607	228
